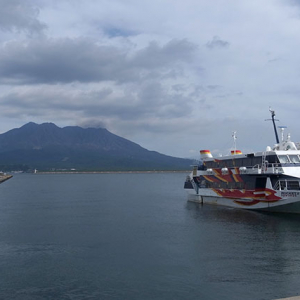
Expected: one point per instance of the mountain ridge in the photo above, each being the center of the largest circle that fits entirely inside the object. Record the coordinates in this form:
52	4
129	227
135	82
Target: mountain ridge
46	146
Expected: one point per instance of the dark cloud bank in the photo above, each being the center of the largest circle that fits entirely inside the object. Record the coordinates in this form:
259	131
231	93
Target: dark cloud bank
68	60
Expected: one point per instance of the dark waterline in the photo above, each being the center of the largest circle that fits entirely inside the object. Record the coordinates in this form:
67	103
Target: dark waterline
134	236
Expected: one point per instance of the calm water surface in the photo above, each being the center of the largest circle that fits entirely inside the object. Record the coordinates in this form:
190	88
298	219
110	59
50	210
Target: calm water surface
134	236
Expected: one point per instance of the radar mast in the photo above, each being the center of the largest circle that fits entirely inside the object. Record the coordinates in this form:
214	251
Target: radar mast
273	120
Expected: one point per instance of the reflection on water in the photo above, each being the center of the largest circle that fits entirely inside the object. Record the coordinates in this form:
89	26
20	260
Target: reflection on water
257	250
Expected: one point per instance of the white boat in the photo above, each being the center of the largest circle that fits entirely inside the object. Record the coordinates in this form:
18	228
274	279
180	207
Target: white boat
268	180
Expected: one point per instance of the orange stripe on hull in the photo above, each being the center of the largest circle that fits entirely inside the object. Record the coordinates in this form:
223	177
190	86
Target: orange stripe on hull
225	178
237	178
211	178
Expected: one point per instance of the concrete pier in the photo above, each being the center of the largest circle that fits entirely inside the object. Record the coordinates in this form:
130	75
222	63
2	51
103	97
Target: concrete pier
290	298
4	177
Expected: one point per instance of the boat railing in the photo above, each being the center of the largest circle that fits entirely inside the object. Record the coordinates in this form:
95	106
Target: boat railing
274	168
270	168
256	169
287	185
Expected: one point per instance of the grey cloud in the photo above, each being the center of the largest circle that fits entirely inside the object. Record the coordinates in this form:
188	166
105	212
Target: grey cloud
20	16
63	60
82	60
142	104
172	52
117	32
216	42
201	91
293	2
163	104
60	99
275	60
91	123
213	87
149	101
179	88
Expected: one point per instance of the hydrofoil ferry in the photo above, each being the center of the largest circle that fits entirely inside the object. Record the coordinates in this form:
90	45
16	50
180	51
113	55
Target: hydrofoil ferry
268	180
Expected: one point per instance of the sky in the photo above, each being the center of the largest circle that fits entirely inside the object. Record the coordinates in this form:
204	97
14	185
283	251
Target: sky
172	76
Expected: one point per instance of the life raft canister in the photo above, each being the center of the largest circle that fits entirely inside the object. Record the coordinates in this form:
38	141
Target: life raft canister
236	152
205	154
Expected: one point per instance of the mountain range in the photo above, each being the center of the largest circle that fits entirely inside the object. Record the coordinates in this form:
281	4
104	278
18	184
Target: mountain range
47	147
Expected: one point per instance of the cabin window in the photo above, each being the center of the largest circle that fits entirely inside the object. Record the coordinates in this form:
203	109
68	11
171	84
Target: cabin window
246	162
292	185
242	162
208	164
256	161
294	159
283	159
222	163
237	163
272	159
287	185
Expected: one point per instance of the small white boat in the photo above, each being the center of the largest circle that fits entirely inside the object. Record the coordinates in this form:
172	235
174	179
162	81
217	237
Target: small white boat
268	180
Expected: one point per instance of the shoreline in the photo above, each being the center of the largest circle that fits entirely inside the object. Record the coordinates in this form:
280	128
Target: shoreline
109	172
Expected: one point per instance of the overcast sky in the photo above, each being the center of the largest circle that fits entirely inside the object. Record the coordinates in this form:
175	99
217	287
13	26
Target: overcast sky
173	76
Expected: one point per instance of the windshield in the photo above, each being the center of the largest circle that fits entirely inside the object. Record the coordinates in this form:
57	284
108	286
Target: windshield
283	159
294	159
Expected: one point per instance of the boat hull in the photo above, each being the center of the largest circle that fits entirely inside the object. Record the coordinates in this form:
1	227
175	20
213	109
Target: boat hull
286	205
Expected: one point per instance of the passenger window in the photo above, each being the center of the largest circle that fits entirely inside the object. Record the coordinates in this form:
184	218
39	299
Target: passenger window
293	185
294	159
283	159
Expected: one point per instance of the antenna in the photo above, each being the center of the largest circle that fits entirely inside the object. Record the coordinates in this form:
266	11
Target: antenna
273	120
234	140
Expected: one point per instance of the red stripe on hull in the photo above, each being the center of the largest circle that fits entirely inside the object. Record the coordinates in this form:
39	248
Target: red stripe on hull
258	195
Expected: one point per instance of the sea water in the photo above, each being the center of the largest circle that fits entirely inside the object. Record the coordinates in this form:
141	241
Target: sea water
134	236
